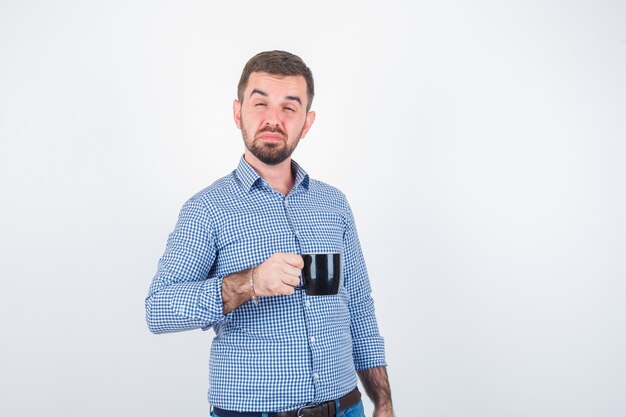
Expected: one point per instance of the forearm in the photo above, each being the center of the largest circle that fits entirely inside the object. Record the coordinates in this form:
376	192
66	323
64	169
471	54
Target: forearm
184	306
187	306
236	290
376	384
277	275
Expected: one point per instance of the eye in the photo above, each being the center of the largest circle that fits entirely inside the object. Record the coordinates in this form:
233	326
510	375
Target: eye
259	104
291	109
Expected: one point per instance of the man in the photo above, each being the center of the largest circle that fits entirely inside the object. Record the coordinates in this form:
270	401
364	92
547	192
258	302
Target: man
233	260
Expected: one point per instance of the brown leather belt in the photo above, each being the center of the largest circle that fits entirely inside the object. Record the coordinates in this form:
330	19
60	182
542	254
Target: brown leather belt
326	409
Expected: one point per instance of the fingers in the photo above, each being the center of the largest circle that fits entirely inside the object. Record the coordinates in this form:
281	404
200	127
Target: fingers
293	260
278	274
291	271
291	280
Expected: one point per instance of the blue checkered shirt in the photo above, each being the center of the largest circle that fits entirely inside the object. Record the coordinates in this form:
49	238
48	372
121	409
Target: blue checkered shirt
286	351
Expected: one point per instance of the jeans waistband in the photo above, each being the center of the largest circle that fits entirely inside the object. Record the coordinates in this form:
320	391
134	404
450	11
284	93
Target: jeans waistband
325	409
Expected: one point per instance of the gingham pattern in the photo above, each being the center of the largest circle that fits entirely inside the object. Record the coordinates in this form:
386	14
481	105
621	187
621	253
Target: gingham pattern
287	351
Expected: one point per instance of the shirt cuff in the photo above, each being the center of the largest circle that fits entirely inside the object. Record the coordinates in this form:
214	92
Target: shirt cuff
369	353
201	301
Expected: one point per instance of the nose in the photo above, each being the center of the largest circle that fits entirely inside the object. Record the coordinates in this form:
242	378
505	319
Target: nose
272	117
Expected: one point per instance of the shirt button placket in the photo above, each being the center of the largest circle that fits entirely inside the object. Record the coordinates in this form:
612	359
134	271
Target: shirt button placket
290	220
307	303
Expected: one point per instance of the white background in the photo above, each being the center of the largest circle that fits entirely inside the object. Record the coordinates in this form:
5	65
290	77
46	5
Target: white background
481	145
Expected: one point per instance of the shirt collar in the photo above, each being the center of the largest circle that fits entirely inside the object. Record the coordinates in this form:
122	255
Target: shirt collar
248	176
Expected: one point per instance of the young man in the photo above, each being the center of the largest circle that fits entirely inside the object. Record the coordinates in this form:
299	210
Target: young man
233	260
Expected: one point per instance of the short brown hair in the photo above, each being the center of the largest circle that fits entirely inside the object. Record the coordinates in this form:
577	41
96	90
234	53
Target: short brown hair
277	63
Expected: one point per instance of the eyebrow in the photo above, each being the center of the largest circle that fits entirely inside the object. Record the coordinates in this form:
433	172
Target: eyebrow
264	94
257	91
294	98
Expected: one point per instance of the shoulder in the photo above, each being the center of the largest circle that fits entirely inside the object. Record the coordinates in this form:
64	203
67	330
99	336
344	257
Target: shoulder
330	195
320	187
221	190
206	203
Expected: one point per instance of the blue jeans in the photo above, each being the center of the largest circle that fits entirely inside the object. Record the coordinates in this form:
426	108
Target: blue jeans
355	411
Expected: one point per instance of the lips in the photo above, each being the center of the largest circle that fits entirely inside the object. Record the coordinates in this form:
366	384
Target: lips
271	133
272	137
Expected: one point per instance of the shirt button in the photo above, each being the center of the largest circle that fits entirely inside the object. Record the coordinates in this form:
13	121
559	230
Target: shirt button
315	376
312	339
307	303
297	234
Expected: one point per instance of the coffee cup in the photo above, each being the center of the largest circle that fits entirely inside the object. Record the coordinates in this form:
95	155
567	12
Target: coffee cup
321	274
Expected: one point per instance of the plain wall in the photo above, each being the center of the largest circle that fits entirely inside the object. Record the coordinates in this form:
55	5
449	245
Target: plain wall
482	146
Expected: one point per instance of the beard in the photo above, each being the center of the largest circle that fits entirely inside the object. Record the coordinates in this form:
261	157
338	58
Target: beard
270	153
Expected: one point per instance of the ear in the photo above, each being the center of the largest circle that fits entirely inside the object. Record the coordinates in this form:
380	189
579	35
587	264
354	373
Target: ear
237	113
310	118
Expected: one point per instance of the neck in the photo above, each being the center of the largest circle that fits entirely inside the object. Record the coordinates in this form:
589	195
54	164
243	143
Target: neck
278	176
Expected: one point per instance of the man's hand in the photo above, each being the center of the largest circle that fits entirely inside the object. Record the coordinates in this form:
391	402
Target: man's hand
278	274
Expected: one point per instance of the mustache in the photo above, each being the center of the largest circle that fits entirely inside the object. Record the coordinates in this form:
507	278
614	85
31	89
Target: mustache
272	129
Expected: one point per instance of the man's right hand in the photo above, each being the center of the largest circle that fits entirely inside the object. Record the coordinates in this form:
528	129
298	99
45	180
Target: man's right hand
278	274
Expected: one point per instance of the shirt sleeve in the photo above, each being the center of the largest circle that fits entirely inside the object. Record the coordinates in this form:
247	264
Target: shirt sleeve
182	296
368	347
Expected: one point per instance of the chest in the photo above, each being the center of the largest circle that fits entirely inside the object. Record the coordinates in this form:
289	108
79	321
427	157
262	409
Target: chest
251	231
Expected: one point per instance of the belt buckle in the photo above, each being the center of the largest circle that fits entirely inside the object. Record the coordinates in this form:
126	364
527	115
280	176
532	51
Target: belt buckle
304	407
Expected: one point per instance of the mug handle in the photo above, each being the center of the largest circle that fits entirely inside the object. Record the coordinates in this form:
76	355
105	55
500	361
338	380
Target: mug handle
301	287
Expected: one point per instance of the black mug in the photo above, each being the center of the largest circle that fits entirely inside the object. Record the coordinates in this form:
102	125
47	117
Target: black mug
321	274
